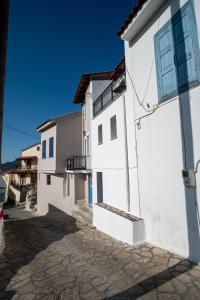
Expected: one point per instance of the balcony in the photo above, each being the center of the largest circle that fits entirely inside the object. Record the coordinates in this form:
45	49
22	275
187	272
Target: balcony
77	162
21	187
111	93
25	169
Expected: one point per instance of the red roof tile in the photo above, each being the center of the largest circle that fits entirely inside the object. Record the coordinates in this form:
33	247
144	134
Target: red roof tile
26	157
132	14
84	82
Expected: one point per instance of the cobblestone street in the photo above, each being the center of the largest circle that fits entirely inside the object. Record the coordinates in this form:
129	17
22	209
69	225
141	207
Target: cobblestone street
54	257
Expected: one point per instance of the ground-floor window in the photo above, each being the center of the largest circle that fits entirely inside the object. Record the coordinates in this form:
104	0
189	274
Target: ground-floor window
48	179
23	180
68	184
99	187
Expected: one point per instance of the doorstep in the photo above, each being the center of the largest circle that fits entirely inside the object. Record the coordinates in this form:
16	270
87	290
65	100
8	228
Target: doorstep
119	224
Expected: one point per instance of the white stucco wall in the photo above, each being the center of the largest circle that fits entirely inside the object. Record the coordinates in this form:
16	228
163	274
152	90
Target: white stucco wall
59	194
170	218
48	163
69	138
109	157
34	150
67	141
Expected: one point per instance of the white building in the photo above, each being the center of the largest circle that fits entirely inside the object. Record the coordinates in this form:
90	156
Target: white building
22	174
89	88
26	173
113	162
60	138
163	71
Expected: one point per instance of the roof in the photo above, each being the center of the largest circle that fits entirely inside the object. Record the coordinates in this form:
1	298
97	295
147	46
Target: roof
132	15
31	146
119	68
84	82
26	157
54	119
45	122
21	171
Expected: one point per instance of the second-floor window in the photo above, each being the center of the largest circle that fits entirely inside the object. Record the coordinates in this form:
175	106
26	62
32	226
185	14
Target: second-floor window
100	135
51	147
113	128
84	112
177	53
44	144
87	145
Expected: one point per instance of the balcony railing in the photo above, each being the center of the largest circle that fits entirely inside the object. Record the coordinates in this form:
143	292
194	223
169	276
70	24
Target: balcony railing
76	162
32	167
111	93
21	187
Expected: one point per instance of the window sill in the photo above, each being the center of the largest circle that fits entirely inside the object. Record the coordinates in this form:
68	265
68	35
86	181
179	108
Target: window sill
114	138
99	144
180	91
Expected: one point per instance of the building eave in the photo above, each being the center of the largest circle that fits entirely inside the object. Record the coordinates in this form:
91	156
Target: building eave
139	18
26	157
46	125
31	146
84	83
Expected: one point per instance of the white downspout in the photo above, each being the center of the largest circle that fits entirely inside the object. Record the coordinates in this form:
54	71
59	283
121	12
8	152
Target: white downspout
126	155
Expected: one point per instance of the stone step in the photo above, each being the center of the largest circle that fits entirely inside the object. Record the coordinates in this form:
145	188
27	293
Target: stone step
84	206
81	203
84	216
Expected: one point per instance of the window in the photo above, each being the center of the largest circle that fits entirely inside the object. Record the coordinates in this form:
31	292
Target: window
87	145
100	134
113	128
99	187
68	185
84	111
44	149
177	53
51	147
38	148
48	179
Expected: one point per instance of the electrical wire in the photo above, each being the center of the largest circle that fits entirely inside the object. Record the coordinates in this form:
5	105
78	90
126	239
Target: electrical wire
20	131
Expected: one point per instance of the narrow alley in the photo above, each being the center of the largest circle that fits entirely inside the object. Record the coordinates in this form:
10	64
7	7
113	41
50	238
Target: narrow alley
55	257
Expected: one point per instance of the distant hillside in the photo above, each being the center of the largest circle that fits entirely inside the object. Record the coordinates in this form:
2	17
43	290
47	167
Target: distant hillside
9	165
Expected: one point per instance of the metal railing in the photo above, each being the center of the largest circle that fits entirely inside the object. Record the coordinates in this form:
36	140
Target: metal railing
111	93
76	162
21	187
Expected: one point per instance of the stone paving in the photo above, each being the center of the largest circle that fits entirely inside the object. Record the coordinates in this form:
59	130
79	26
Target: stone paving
55	257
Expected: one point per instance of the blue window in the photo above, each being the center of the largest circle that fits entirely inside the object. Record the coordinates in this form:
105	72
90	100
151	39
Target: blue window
44	149
51	147
177	53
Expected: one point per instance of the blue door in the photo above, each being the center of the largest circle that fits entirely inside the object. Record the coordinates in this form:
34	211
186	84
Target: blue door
90	189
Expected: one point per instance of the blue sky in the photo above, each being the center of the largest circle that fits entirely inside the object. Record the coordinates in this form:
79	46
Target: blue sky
50	44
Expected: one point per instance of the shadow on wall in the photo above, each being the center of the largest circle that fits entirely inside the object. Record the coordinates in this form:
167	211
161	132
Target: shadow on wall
182	73
22	248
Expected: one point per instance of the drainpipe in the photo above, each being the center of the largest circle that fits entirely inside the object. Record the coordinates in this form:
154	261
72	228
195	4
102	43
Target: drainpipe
126	155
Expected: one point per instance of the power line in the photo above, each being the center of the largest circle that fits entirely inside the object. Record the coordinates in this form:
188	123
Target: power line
21	131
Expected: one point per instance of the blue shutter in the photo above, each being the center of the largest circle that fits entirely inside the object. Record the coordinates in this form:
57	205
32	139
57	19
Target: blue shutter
186	46
164	52
51	147
44	149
